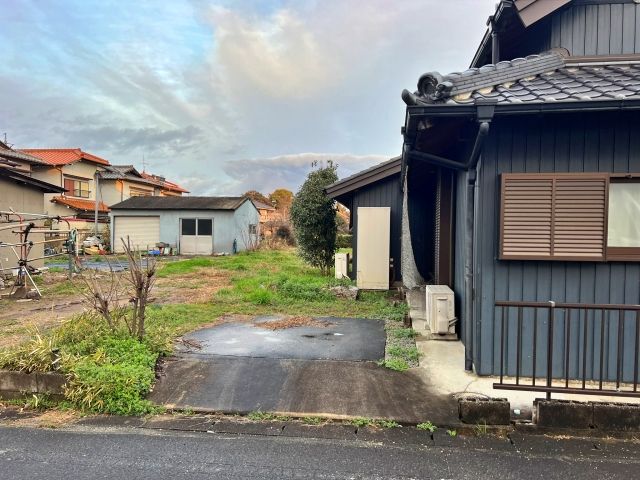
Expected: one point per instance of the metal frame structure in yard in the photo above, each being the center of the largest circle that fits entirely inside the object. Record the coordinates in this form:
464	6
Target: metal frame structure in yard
24	225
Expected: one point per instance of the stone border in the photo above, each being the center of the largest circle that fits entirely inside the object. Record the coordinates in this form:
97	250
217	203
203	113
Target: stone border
14	385
587	415
484	411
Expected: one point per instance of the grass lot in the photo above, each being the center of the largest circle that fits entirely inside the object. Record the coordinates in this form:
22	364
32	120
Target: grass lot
267	282
110	372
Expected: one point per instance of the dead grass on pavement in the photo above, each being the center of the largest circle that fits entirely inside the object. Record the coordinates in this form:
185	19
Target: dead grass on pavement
292	322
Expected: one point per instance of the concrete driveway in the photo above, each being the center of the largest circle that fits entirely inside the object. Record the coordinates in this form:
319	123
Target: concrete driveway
327	368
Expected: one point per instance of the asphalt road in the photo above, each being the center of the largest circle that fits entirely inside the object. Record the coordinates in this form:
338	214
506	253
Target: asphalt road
135	454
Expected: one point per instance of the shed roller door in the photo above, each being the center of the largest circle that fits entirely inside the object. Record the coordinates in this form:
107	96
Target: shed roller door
143	232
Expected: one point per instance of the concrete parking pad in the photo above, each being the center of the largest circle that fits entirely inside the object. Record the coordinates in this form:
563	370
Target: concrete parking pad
340	339
319	387
324	370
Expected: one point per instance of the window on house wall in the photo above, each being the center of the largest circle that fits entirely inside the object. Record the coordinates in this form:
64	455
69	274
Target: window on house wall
188	226
139	192
76	187
623	236
253	229
205	226
581	216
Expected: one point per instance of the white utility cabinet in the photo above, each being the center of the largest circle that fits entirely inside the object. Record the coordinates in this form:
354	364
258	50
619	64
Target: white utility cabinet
373	247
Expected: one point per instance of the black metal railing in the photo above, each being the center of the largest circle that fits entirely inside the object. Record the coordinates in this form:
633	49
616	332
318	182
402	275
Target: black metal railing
589	349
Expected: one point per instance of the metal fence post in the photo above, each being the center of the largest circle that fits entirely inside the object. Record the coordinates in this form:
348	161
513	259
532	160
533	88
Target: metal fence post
552	311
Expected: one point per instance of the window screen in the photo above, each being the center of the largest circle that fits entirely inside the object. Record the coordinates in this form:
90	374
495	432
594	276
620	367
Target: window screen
188	226
205	226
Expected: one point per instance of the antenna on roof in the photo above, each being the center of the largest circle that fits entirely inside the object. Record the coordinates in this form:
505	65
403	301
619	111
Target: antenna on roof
144	164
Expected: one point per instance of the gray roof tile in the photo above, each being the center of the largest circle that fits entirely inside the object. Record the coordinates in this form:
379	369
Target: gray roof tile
548	77
180	203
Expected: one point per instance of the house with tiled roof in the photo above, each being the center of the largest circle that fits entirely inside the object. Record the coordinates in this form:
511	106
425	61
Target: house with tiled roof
166	188
75	171
20	192
86	178
521	181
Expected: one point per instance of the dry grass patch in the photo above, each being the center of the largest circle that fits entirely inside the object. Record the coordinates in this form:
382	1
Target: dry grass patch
198	286
292	322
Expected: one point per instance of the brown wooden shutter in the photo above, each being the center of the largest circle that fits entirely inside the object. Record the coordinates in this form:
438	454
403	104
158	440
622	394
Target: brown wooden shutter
527	204
580	217
553	216
69	186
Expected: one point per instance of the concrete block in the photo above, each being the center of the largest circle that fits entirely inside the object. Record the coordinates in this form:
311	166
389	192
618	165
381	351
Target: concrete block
563	414
616	416
18	382
487	411
15	384
51	383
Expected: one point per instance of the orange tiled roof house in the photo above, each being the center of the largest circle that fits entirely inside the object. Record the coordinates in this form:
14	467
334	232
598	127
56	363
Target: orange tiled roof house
75	170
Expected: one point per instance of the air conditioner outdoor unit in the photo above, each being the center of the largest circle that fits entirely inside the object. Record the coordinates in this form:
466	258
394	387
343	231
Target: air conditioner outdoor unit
440	310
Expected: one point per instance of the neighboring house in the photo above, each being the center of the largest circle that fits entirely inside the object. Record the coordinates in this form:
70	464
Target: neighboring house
531	166
192	225
21	193
268	217
378	186
120	182
74	170
77	171
19	161
167	188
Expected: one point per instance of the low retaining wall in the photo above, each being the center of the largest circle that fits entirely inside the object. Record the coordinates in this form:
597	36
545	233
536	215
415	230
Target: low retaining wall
484	411
18	384
585	415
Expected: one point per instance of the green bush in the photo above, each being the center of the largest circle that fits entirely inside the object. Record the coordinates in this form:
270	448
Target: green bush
313	216
344	240
114	379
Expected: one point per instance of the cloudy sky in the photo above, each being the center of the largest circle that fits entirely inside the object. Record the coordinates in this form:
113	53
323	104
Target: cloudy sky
225	95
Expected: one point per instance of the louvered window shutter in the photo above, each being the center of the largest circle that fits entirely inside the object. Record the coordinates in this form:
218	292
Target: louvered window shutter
553	216
579	229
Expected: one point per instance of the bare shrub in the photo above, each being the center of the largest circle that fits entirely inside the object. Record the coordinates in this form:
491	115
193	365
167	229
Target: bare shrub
107	296
103	296
141	278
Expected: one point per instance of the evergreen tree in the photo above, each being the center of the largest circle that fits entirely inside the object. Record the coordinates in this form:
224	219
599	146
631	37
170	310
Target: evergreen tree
314	219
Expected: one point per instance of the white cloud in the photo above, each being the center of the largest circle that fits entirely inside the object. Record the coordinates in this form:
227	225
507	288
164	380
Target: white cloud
268	174
227	92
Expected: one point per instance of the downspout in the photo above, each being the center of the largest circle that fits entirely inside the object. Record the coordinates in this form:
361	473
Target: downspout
484	114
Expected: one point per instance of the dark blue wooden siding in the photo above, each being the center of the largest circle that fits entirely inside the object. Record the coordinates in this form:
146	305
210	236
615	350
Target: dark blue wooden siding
560	143
385	193
597	29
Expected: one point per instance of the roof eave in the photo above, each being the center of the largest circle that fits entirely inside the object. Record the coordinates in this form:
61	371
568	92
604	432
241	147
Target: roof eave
27	180
470	109
367	177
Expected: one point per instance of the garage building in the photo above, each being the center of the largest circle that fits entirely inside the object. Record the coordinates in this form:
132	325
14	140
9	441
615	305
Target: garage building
193	225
